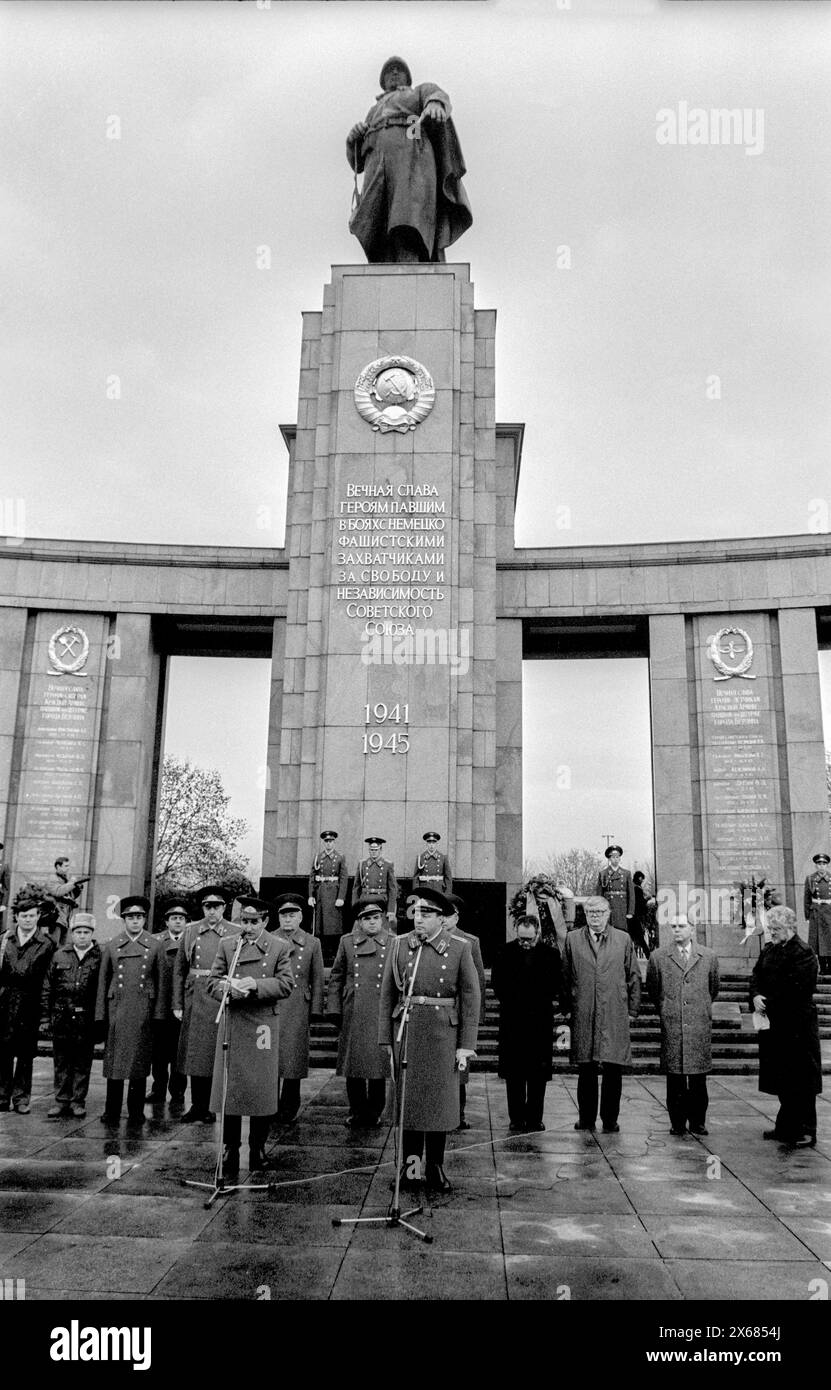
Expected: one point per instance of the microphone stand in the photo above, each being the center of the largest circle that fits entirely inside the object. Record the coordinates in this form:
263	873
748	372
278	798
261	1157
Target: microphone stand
219	1187
395	1217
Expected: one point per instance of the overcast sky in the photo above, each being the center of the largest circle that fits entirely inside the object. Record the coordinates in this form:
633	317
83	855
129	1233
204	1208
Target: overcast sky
662	308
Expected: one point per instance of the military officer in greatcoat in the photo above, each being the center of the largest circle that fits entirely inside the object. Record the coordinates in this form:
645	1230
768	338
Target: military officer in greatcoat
436	971
70	993
168	1027
432	868
818	910
615	885
192	1002
128	992
352	1003
25	953
451	922
327	894
262	976
304	1002
375	878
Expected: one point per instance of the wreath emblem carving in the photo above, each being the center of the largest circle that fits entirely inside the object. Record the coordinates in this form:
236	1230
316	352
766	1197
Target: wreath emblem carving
68	651
394	394
735	644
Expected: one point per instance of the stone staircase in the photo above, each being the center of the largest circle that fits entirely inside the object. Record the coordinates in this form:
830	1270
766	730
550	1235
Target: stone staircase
735	1050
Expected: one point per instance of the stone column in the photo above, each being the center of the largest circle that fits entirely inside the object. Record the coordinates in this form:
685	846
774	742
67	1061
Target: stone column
674	768
509	753
803	748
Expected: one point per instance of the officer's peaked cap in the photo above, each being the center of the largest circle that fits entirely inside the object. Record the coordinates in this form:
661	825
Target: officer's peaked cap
611	849
135	900
432	895
289	901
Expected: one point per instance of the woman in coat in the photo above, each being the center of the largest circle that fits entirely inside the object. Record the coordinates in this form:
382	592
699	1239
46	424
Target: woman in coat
782	990
261	977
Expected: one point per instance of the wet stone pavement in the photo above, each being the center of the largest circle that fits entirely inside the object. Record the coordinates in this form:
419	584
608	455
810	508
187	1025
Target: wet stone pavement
89	1213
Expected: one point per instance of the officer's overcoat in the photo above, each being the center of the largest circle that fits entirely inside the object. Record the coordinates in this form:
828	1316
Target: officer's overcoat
194	959
253	1024
354	995
445	979
327	884
306	998
128	991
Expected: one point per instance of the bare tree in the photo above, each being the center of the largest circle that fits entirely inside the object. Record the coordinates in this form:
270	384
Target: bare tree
198	839
576	868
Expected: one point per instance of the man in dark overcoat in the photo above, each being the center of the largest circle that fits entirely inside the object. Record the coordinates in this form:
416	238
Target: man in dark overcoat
328	880
375	878
25	953
602	984
168	1027
304	1002
352	1004
817	904
451	923
782	990
614	883
128	994
261	976
435	970
192	1002
683	980
70	994
413	203
432	868
527	980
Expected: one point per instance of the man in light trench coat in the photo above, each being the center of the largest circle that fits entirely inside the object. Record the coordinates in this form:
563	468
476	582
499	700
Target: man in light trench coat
603	984
683	981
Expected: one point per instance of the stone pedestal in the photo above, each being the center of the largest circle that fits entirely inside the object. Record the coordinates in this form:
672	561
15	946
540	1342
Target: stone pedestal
387	710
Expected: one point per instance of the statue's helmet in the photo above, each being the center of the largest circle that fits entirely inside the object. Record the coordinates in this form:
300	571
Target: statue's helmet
395	63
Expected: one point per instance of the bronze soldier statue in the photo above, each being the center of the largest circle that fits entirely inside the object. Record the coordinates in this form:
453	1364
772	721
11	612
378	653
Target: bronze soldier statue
413	204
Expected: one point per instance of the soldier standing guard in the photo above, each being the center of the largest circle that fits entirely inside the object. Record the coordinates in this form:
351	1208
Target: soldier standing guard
616	886
444	1021
818	910
327	894
70	992
375	879
128	988
192	1002
262	977
168	1028
432	868
352	1004
306	999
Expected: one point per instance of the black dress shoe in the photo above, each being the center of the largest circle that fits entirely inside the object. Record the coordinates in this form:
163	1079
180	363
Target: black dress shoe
580	1125
774	1134
805	1141
611	1129
534	1127
516	1129
230	1162
679	1133
191	1116
406	1184
463	1124
698	1129
112	1120
436	1179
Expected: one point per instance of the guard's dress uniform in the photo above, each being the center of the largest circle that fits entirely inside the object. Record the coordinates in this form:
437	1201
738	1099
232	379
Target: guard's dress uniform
168	1029
353	998
197	1040
818	916
22	973
70	994
616	886
128	992
327	885
432	870
306	998
444	1016
375	879
253	1034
